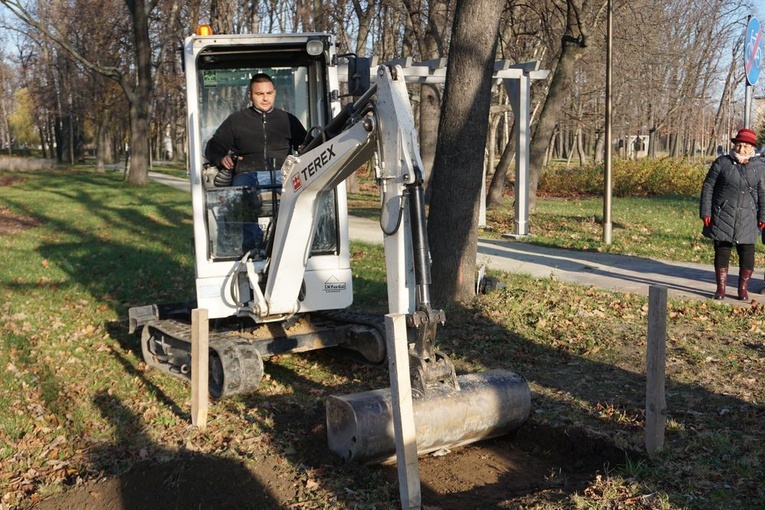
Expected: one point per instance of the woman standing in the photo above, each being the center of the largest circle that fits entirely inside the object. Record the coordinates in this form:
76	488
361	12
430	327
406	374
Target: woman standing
733	209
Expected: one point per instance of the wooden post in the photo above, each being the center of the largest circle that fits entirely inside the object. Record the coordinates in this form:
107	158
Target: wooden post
655	364
403	412
200	336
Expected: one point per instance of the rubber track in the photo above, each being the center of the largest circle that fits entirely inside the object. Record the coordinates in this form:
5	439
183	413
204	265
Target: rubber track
372	320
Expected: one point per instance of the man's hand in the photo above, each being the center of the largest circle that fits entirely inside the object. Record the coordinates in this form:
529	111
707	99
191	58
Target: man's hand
228	162
708	221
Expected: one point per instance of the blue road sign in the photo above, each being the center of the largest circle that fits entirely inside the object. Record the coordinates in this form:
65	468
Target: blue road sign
753	50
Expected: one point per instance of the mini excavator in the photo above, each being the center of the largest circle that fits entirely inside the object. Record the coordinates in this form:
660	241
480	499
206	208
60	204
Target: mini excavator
290	291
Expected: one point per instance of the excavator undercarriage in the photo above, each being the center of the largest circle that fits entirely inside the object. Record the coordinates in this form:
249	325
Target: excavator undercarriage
238	346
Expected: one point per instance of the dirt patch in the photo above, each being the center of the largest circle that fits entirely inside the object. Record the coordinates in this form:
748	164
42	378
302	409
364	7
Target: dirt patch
537	464
191	481
11	223
8	180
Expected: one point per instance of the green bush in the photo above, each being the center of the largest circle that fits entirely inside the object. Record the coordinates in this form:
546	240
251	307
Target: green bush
642	177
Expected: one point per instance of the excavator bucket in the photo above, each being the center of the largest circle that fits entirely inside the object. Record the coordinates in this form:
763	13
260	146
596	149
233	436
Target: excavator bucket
486	405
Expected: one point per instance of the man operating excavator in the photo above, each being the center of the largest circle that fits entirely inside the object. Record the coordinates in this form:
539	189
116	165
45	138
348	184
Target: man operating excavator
250	145
248	139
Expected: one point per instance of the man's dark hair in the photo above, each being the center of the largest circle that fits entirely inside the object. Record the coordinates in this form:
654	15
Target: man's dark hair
260	78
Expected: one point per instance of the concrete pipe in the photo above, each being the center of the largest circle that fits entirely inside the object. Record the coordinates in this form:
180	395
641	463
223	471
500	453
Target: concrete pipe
488	404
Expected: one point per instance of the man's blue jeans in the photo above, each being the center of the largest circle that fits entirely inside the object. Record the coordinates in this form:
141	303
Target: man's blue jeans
252	234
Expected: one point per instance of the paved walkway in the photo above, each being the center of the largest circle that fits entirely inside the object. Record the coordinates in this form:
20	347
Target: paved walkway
618	272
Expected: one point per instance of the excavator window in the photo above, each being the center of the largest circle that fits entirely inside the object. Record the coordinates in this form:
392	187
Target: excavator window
239	219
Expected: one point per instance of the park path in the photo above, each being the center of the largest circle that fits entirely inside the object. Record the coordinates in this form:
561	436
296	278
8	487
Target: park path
617	272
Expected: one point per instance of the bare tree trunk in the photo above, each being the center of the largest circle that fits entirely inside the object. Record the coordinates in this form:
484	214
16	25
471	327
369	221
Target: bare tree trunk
556	96
51	137
491	143
222	14
140	97
101	145
5	129
364	15
430	113
458	164
570	149
43	145
574	46
430	39
600	147
580	146
497	186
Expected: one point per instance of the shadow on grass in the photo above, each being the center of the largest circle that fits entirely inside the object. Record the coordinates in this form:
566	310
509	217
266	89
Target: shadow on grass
189	480
600	407
121	273
588	422
131	344
150	258
566	449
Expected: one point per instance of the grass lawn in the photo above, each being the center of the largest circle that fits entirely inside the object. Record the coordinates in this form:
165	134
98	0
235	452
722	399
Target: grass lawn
77	249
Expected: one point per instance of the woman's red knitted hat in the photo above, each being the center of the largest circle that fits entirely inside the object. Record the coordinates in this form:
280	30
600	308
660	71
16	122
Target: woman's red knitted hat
745	136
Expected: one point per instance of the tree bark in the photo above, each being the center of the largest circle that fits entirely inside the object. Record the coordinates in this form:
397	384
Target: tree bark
140	97
600	147
497	186
101	129
430	95
458	164
580	147
573	50
431	42
430	111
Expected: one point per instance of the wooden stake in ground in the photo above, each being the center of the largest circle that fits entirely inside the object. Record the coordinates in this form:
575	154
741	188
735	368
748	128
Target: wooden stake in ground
200	336
403	412
655	364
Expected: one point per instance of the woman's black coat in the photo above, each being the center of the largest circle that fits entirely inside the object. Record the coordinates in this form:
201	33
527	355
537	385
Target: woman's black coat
733	195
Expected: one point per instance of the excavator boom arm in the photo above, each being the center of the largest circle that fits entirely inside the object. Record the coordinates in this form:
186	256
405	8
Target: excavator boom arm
383	126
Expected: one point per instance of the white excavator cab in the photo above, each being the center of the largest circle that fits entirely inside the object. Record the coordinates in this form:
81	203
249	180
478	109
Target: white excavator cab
272	258
234	222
